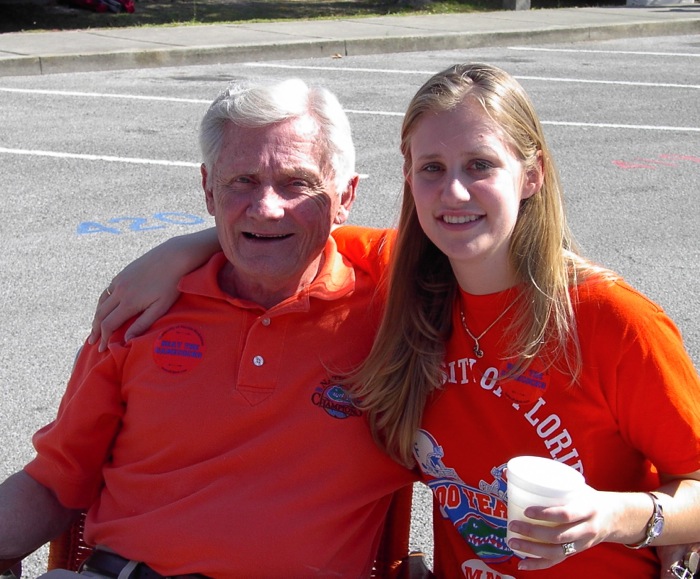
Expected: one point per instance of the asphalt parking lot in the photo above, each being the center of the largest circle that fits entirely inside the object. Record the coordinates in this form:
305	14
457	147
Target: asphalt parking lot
100	166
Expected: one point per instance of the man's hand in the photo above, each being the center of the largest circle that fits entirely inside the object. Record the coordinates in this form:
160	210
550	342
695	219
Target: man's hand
148	285
677	555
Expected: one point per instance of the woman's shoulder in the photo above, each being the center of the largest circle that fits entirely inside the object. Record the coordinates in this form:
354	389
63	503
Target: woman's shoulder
611	300
612	291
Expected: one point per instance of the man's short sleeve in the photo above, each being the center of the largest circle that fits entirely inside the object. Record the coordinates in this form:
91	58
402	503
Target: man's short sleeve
367	248
73	449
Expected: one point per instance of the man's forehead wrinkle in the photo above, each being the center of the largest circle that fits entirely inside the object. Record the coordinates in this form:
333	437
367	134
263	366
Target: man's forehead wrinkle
283	162
292	148
299	167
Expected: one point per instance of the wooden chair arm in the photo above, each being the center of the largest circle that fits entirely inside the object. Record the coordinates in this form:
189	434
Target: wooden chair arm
69	550
11	567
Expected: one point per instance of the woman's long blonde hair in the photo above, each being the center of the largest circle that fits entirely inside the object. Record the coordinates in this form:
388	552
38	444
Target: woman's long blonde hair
404	366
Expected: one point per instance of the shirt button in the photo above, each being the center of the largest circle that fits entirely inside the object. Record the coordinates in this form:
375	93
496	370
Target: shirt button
258	360
265	321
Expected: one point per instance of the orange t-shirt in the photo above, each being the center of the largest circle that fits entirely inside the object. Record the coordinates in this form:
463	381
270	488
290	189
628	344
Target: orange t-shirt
637	405
636	408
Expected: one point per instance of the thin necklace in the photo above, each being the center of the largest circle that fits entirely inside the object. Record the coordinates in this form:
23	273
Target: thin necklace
478	352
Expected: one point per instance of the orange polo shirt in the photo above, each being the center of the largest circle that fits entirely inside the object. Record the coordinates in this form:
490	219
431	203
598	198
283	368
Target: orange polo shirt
219	442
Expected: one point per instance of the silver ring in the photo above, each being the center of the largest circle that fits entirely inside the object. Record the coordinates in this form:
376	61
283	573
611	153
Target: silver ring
108	292
568	548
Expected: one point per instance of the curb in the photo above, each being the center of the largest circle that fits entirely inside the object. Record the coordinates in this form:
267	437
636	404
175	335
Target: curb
207	55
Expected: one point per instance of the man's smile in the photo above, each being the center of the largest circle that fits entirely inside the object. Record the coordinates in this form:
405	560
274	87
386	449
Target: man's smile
265	236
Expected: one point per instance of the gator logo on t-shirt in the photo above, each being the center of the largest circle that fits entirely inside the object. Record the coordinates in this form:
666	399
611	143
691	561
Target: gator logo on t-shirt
333	398
478	514
178	349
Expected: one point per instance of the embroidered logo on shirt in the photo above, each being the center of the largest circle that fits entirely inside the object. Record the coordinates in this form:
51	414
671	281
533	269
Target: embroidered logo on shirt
333	398
178	349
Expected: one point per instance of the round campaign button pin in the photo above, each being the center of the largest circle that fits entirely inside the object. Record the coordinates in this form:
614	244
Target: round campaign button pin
178	349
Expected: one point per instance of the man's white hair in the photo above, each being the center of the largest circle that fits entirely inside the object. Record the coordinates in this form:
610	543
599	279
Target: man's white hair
258	104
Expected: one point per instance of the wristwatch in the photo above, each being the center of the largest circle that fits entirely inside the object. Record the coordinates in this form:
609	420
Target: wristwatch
655	526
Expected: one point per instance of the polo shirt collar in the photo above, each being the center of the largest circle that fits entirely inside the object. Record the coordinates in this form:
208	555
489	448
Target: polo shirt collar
335	279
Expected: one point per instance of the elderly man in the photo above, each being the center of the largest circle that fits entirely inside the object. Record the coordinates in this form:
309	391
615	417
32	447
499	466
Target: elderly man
219	443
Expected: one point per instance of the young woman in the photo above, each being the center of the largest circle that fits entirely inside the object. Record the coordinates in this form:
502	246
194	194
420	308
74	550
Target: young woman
516	345
500	340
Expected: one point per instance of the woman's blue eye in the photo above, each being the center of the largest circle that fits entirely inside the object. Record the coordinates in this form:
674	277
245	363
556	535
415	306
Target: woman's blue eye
481	165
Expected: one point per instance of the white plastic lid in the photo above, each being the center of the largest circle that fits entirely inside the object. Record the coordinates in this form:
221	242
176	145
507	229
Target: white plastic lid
543	476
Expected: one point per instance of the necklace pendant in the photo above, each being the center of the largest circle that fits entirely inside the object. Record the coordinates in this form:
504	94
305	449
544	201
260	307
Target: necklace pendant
478	352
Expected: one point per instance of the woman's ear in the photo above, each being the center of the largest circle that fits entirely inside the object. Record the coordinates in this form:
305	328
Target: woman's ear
407	171
534	178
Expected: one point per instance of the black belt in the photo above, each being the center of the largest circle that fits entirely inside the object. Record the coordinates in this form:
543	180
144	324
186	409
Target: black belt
112	564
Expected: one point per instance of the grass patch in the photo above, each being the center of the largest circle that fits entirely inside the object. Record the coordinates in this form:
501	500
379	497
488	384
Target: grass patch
21	15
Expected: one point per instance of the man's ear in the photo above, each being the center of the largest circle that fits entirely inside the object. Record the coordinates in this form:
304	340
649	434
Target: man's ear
208	194
347	198
533	179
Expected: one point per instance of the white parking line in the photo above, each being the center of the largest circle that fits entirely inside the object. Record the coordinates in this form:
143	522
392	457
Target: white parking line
616	82
351	111
581	50
430	72
337	69
103	95
566	123
108	158
379	113
617	126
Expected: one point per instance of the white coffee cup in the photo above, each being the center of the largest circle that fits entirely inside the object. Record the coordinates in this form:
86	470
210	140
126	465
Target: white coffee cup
541	482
